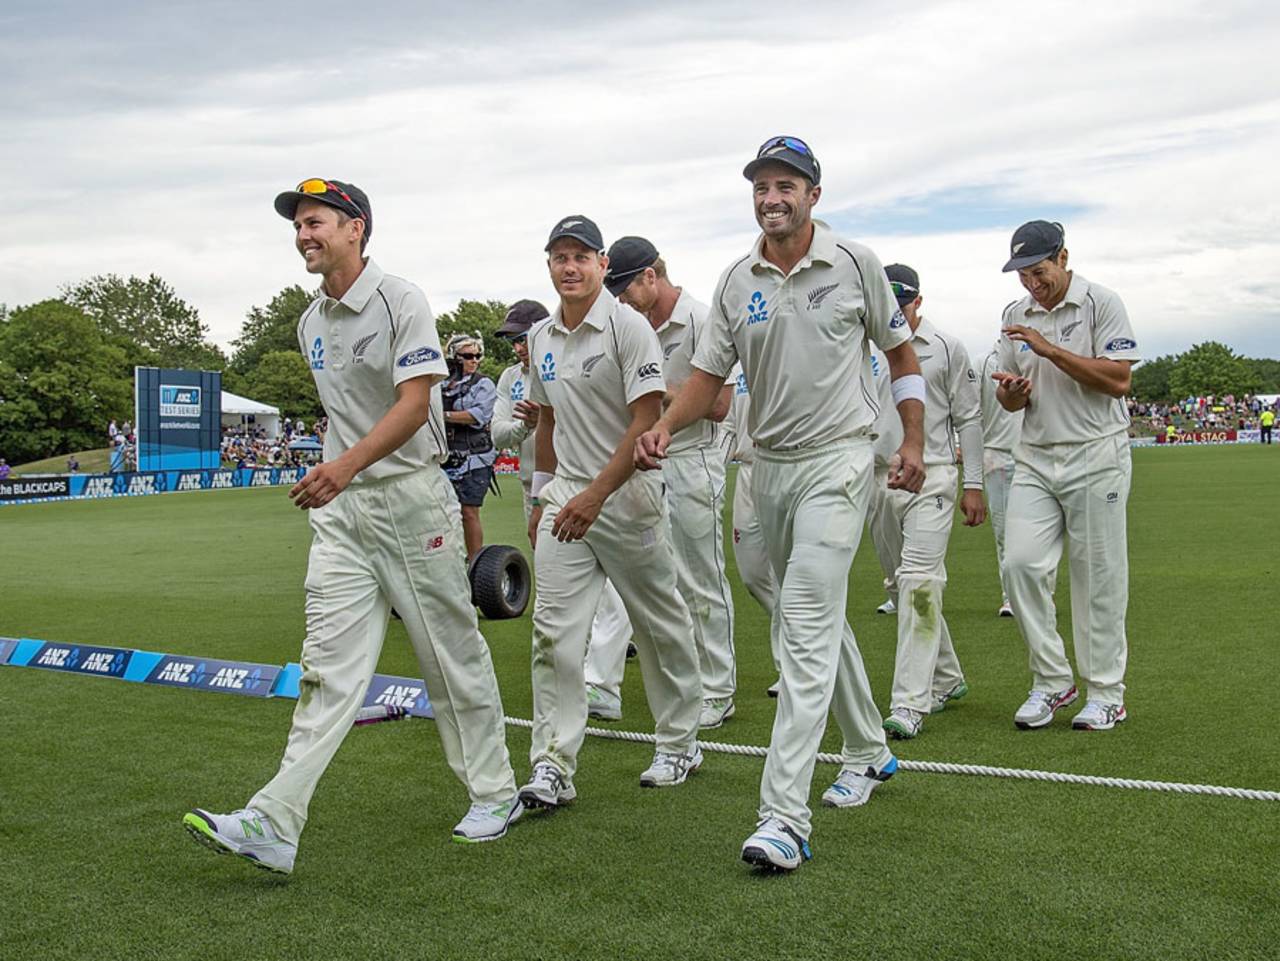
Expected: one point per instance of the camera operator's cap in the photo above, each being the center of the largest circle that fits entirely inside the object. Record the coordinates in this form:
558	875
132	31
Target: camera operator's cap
1033	242
791	151
521	315
580	228
348	198
627	257
904	281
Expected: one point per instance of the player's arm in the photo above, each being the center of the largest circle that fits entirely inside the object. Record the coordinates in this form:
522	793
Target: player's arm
580	512
544	465
966	413
507	431
695	399
720	410
410	411
906	467
1107	376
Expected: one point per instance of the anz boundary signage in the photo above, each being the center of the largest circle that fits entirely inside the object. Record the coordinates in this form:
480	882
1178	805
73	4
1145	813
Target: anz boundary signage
19	490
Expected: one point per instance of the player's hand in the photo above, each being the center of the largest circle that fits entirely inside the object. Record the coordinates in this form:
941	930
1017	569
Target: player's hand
526	411
651	447
1031	337
577	516
535	520
321	484
1015	386
906	469
973	507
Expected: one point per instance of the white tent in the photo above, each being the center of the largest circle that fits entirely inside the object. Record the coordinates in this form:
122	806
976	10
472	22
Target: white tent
241	410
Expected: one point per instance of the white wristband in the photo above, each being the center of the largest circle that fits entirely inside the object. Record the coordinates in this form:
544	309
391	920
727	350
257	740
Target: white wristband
908	387
541	479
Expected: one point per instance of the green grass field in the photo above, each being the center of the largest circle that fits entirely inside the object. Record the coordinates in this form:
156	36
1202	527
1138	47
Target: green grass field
95	774
91	462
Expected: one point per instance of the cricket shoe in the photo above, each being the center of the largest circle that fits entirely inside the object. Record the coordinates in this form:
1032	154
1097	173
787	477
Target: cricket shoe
853	788
888	607
941	698
1005	609
668	770
488	822
715	711
773	689
247	833
775	847
603	705
1039	707
1097	716
903	723
547	788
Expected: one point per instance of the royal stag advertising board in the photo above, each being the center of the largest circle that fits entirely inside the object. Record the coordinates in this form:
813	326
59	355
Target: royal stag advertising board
178	414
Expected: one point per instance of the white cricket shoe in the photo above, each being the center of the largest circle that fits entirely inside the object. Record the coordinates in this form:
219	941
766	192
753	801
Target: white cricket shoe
547	787
1039	707
603	705
775	847
247	833
888	607
715	711
903	723
1005	609
940	698
1097	716
852	788
668	770
488	822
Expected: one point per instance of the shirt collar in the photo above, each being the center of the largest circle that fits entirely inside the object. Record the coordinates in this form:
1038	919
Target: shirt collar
358	294
681	313
822	249
925	331
1076	291
597	316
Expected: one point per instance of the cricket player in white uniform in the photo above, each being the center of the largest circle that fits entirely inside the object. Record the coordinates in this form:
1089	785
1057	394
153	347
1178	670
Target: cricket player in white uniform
387	531
1066	361
798	311
693	476
598	379
515	417
927	674
1000	432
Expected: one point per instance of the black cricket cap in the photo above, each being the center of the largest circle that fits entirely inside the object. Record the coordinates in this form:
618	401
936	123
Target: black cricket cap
904	281
628	256
521	315
348	198
581	229
1033	242
791	151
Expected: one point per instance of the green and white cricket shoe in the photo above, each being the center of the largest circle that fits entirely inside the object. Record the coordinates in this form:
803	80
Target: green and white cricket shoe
1040	706
603	705
247	833
547	787
668	770
903	723
940	698
715	711
488	822
775	847
1097	716
852	788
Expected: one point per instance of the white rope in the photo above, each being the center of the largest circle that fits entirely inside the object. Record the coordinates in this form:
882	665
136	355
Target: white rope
946	767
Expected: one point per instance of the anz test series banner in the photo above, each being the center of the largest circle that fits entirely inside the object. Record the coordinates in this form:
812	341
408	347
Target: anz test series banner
178	414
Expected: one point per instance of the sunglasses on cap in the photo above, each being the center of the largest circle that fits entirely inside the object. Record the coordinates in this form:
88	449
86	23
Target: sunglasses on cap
318	186
903	290
791	143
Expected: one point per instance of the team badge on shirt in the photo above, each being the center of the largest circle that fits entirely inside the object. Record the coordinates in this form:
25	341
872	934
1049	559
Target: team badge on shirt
819	294
360	346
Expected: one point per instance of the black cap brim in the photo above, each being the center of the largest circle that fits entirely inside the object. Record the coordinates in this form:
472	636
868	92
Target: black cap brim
588	242
1018	263
749	171
616	285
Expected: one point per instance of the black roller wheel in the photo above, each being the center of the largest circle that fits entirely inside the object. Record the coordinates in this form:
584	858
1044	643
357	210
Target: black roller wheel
500	582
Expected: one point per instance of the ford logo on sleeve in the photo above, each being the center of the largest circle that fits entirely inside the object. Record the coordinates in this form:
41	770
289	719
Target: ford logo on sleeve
420	356
1120	343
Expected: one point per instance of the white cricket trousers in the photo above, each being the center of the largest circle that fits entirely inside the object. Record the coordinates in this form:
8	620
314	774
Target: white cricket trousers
694	482
997	476
391	543
1082	491
811	505
750	552
630	544
886	530
919	526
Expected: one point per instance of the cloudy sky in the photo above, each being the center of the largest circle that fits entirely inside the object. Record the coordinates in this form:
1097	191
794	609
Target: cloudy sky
151	137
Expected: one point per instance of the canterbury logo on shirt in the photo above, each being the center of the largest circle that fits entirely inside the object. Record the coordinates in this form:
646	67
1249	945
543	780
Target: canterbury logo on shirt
647	371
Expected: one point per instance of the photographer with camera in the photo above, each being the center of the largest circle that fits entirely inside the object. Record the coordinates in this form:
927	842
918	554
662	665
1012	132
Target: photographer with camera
469	398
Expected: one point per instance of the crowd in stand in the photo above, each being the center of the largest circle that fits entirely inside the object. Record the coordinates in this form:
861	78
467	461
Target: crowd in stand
252	446
1201	413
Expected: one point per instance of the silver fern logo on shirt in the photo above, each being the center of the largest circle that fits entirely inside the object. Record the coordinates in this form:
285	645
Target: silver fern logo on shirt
589	364
360	346
819	294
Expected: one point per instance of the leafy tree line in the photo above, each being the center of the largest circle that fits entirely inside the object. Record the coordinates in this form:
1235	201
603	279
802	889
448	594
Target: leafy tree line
1206	369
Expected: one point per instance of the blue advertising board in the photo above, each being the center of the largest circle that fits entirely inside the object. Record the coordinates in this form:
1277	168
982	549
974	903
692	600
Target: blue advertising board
7	644
76	658
138	483
178	417
208	674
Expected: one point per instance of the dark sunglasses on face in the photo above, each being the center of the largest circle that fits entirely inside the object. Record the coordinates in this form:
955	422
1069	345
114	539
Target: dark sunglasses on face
469	356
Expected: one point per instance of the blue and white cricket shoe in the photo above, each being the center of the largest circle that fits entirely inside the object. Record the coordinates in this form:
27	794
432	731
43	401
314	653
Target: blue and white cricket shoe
775	847
246	833
853	788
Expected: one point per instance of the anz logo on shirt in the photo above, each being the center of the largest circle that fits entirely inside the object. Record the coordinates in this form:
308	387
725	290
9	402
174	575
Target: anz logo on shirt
317	354
517	389
758	309
741	387
548	366
875	366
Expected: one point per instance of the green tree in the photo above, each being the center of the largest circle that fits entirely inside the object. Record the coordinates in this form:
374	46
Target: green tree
1151	379
1211	368
270	328
484	318
147	320
60	382
1267	372
283	378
